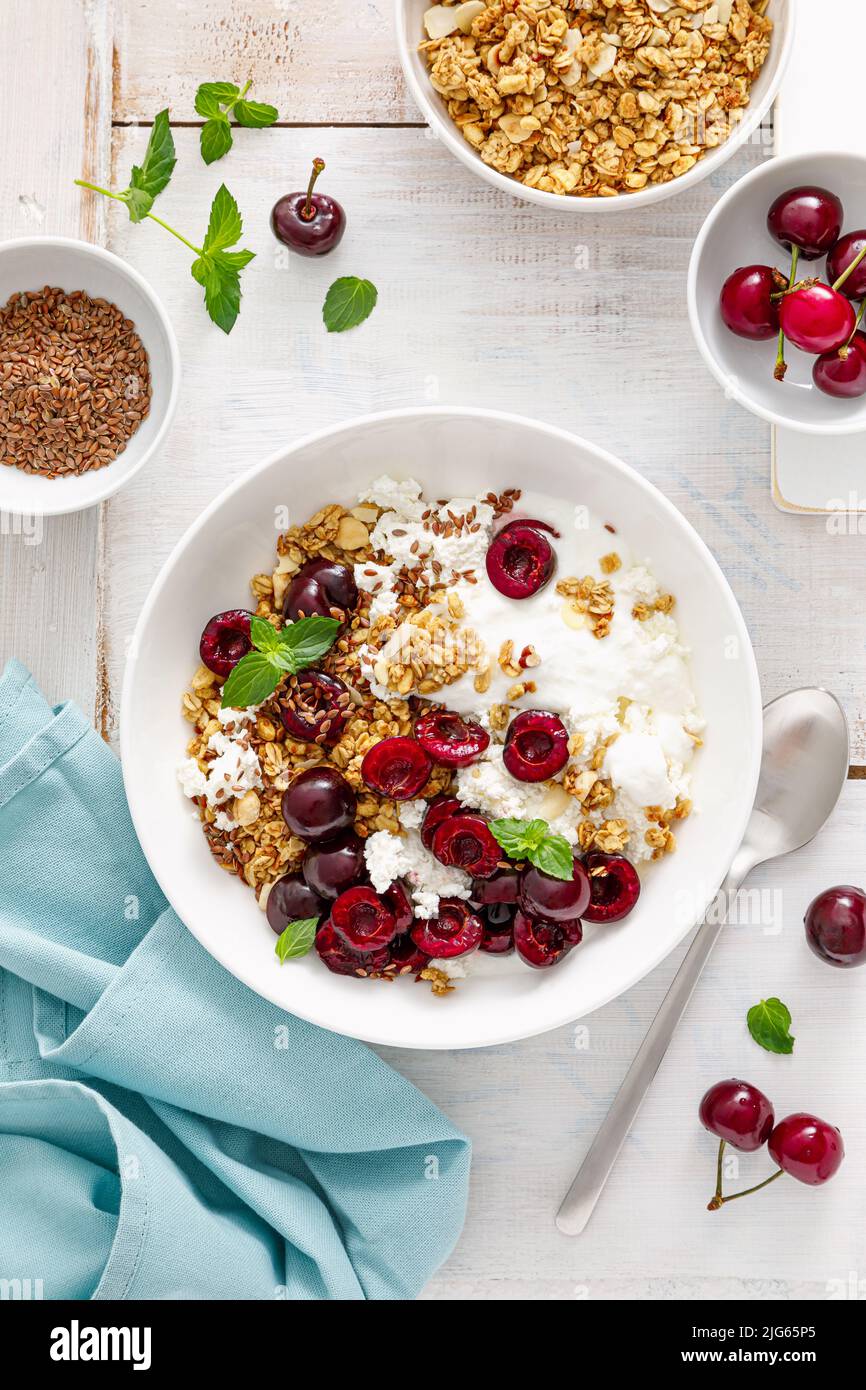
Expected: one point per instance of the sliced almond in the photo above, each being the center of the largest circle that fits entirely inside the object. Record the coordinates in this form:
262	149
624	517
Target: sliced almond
439	22
572	617
466	14
369	515
662	6
352	534
725	8
605	60
555	803
518	128
264	894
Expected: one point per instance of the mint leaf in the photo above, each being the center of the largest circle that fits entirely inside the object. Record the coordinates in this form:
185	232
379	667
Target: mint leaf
215	139
308	639
534	840
254	114
138	202
264	637
222	293
297	939
253	679
770	1025
553	856
348	302
159	159
211	96
225	224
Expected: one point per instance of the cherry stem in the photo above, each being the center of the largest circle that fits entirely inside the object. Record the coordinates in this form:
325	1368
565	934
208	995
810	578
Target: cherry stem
308	211
852	267
845	348
719	1200
781	365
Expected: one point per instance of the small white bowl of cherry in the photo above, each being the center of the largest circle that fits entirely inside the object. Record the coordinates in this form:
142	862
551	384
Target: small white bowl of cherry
777	292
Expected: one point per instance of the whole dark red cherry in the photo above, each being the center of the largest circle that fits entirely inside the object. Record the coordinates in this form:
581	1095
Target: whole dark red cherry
846	250
842	373
816	318
809	218
554	899
321	586
292	900
502	887
338	864
746	305
807	1148
310	223
836	926
738	1113
319	804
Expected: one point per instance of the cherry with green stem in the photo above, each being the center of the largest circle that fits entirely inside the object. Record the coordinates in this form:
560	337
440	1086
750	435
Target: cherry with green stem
781	365
718	1200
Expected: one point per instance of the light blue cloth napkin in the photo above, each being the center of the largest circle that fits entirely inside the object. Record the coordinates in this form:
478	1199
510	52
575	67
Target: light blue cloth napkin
165	1133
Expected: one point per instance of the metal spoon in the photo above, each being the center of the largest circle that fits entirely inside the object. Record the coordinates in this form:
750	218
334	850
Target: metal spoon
803	770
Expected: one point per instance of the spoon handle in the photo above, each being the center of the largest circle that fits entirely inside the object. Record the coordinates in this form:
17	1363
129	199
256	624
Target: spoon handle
593	1173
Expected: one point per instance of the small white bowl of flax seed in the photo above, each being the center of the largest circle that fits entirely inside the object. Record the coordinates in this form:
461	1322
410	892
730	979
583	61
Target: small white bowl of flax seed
89	375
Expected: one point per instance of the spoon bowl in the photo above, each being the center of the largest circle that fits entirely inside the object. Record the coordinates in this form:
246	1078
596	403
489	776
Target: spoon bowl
804	767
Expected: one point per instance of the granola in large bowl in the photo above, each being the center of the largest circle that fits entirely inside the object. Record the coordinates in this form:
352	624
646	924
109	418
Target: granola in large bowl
600	99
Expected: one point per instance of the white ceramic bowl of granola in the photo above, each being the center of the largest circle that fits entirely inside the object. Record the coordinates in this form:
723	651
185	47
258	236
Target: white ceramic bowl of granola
410	33
30	263
735	234
450	451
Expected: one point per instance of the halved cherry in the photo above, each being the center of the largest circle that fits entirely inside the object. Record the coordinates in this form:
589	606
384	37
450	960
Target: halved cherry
338	957
226	638
315	707
396	767
363	920
466	842
397	899
536	746
520	561
539	943
454	932
438	810
450	740
614	887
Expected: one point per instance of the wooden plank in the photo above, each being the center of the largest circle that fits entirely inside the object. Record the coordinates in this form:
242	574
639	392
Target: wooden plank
48	569
486	301
317	61
532	1109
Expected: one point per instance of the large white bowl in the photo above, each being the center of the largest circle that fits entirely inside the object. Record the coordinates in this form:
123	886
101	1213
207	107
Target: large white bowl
30	263
735	234
451	451
410	33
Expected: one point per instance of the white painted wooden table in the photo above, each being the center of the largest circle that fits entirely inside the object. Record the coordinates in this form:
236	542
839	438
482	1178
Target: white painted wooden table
483	301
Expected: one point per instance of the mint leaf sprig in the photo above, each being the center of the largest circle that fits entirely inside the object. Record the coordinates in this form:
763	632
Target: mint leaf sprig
275	655
218	102
216	268
297	939
534	840
770	1025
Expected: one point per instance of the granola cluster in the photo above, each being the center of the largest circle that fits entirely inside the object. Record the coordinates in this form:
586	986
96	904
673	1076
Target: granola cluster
596	97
